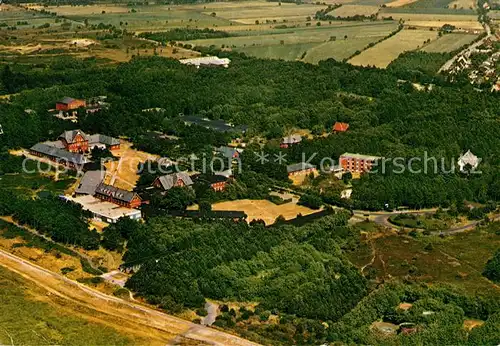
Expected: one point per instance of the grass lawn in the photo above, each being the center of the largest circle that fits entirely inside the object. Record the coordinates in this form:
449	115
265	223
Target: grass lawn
339	49
29	316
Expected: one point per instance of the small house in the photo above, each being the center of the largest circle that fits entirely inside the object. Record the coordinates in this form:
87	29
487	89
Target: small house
68	104
166	182
300	168
340	127
289	141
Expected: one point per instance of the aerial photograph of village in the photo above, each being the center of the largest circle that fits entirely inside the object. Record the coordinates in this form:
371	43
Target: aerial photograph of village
250	172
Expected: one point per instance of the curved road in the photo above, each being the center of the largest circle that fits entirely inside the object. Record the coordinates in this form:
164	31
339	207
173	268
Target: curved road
382	218
126	316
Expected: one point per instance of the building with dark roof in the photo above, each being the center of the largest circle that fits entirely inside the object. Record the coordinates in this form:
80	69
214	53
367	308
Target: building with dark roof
228	152
166	182
68	104
89	182
300	168
215	125
79	141
61	156
216	181
75	141
118	196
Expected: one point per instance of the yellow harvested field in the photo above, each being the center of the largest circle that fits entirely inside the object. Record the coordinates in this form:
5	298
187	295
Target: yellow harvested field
264	209
386	51
399	3
435	20
122	173
352	10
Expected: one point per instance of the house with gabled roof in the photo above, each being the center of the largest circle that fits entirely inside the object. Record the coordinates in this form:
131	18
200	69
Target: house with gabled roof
229	152
117	196
79	141
340	127
468	159
166	182
59	155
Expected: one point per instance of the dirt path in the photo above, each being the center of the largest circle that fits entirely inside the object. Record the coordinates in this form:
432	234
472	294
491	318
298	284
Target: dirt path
122	315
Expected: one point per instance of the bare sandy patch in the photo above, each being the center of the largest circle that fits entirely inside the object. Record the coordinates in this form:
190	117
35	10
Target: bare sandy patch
122	173
399	3
264	210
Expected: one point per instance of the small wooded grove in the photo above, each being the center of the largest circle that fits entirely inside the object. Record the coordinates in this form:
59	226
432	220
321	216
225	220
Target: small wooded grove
61	221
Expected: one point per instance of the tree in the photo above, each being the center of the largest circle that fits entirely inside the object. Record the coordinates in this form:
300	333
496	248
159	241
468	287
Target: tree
492	268
112	239
177	198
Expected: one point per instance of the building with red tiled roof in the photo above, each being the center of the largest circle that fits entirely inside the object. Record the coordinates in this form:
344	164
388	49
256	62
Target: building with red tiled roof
340	127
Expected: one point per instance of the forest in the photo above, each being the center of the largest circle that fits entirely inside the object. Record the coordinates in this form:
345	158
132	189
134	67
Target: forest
387	117
298	276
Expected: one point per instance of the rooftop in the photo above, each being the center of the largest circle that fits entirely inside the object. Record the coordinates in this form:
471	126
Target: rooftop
361	156
53	151
89	182
301	166
116	193
168	181
106	209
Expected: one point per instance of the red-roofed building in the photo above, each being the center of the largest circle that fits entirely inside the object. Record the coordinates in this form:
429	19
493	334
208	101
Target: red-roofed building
340	127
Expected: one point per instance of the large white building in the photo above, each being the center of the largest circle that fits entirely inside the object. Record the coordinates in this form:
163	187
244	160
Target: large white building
468	159
206	61
104	211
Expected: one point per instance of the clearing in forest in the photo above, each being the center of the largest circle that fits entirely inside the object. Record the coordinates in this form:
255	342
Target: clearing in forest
264	209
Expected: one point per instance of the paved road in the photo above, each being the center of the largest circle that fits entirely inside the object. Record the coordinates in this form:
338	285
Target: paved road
382	218
447	65
125	316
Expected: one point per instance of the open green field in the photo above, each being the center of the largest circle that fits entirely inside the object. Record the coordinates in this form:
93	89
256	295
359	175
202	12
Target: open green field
28	316
285	52
449	43
351	10
304	35
13	16
386	51
338	50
